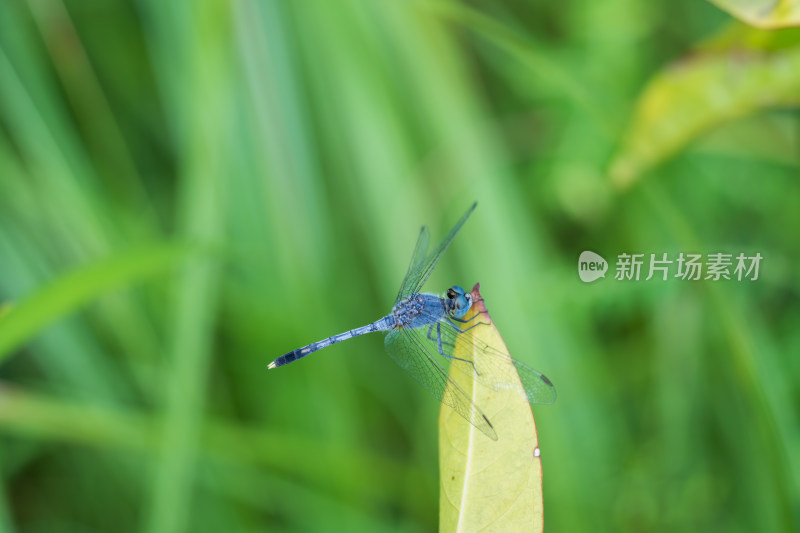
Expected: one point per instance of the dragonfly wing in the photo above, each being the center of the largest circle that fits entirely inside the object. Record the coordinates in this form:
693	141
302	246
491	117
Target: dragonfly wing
419	273
420	250
538	387
490	366
408	347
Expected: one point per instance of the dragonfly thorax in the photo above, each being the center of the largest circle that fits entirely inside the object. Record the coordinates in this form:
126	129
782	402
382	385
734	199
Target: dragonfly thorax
419	310
408	311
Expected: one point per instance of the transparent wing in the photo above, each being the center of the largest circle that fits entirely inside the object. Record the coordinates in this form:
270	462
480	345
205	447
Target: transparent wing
490	366
408	348
420	271
420	250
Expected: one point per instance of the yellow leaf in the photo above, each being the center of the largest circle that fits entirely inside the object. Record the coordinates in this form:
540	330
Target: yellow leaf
763	13
489	485
693	96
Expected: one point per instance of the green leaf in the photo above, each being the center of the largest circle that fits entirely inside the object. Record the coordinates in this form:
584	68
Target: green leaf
487	484
692	96
763	13
19	323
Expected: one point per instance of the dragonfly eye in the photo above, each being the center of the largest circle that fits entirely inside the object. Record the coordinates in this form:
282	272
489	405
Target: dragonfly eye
451	293
460	305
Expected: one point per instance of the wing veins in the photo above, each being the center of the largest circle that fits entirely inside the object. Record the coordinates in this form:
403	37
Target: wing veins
425	369
497	369
417	275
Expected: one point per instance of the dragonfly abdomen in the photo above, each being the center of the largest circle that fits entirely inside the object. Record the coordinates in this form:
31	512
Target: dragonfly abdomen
385	323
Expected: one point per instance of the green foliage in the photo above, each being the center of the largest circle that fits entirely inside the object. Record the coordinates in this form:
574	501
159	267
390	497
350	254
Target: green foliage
306	144
75	289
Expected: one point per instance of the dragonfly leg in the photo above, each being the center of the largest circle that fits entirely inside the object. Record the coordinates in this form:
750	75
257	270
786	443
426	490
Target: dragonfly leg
459	329
469	319
438	340
439	343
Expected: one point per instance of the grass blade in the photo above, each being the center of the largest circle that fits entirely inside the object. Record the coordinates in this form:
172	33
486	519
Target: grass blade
69	292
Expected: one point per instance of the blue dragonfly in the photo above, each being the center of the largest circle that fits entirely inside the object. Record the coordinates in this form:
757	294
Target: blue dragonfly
426	329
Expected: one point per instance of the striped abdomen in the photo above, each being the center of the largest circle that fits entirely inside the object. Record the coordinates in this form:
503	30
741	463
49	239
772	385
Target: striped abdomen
385	323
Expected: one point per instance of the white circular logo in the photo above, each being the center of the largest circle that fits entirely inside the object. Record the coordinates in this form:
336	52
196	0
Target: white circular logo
591	266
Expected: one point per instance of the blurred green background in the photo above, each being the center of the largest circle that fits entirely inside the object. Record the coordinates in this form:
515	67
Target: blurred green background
189	190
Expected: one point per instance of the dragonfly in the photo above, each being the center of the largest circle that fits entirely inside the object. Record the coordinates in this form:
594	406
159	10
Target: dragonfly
426	329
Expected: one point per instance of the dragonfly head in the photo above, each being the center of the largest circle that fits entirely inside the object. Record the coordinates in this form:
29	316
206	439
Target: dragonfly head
458	301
